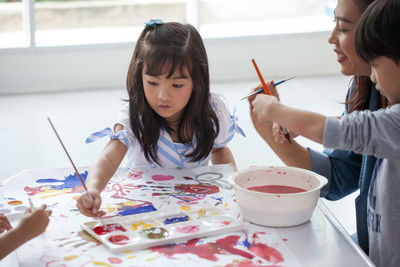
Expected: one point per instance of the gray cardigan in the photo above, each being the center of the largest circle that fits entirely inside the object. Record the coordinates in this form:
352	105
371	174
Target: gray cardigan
375	133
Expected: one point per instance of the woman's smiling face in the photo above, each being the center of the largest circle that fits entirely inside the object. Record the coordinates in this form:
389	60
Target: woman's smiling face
347	16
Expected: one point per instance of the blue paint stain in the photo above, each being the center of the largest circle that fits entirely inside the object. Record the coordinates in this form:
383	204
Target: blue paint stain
176	219
71	181
246	243
129	210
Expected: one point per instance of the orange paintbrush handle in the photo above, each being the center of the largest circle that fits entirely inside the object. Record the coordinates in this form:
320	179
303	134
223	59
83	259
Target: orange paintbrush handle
261	78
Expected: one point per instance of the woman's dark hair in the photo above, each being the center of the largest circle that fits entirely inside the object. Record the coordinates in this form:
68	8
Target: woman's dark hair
378	32
359	98
176	46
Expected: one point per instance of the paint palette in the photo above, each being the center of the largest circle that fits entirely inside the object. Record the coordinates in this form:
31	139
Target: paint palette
13	209
157	228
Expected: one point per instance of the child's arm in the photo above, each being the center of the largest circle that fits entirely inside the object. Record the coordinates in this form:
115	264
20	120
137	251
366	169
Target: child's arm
223	156
308	124
100	173
292	154
32	224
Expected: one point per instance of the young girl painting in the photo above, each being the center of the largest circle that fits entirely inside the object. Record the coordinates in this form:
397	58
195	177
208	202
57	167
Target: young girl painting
172	120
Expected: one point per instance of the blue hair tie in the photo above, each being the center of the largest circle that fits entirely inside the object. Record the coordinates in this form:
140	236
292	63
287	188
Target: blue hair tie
153	23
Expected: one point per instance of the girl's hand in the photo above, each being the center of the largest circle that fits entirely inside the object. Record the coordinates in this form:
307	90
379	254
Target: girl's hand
4	223
34	222
89	207
279	134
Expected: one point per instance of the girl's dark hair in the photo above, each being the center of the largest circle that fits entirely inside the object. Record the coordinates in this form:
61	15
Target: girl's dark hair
378	32
176	46
359	98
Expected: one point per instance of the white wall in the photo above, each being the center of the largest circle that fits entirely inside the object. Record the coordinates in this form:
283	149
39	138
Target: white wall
41	69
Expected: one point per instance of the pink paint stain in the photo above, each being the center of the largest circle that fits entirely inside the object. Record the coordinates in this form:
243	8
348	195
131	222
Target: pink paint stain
188	229
119	239
108	228
135	175
205	189
160	177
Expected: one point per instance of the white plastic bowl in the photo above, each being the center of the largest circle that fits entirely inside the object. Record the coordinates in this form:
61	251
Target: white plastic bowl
277	210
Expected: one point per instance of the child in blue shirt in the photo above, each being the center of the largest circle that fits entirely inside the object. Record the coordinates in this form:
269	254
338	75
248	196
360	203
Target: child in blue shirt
171	120
373	133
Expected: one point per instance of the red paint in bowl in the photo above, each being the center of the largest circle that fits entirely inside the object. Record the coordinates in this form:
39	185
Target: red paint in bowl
277	189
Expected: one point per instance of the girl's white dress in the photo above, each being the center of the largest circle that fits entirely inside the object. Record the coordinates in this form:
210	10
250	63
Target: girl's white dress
171	155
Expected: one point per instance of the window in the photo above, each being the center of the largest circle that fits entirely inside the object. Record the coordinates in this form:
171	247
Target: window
71	22
11	24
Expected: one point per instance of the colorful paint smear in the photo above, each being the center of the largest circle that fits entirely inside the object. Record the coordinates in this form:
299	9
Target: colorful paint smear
108	228
188	229
135	174
71	184
141	226
156	233
119	239
162	177
205	189
128	208
14	202
222	246
176	219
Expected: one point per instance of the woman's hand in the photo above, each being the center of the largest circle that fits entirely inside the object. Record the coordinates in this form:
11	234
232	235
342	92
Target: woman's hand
279	134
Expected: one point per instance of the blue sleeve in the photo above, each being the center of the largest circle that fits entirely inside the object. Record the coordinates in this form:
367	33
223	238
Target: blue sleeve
341	168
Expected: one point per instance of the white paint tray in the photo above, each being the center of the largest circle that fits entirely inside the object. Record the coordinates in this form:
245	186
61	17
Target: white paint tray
141	231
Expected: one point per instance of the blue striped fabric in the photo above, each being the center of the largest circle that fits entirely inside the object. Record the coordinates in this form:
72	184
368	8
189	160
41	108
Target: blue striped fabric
121	136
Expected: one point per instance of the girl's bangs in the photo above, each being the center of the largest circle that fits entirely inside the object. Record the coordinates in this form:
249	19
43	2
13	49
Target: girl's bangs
165	60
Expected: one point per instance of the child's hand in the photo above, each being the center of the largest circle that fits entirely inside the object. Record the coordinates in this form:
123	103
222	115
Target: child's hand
4	223
261	105
88	207
279	134
34	222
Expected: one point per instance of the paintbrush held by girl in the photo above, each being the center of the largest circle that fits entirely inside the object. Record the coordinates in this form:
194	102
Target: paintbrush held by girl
377	41
172	120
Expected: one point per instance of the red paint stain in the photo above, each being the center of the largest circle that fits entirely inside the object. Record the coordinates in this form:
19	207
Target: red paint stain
268	253
205	189
248	264
14	202
108	228
206	251
119	239
187	178
277	189
162	177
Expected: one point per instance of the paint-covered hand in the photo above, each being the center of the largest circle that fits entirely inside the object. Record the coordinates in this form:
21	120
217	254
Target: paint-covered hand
34	222
4	223
279	134
89	206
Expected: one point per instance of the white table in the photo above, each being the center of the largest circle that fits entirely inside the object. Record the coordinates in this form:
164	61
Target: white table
322	241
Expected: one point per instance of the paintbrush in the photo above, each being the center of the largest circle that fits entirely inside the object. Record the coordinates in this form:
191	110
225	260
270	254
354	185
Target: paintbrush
70	159
31	204
262	89
266	91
